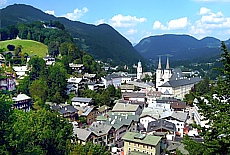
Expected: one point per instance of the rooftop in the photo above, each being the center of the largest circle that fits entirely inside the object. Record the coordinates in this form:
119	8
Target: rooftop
141	138
81	99
123	107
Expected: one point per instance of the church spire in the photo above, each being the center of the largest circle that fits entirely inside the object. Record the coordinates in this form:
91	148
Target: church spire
167	63
159	63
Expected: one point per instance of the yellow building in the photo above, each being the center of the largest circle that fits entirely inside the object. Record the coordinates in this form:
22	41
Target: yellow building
141	143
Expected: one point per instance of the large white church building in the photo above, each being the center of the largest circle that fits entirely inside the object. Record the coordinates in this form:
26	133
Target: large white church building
172	82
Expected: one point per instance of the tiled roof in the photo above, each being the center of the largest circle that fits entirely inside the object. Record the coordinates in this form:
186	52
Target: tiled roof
161	124
121	107
82	134
141	139
81	99
154	113
67	109
181	82
99	128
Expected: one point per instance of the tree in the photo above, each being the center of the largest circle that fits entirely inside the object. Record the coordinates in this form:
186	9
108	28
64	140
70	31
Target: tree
39	89
39	132
57	83
37	67
216	111
89	149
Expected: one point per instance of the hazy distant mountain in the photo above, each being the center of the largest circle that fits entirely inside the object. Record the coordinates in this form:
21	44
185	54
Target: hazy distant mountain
103	41
183	47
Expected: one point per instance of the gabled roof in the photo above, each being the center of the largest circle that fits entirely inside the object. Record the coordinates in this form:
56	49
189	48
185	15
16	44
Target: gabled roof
161	124
134	95
85	111
99	128
81	99
121	107
21	97
112	76
117	121
178	104
141	138
180	116
82	134
67	109
154	113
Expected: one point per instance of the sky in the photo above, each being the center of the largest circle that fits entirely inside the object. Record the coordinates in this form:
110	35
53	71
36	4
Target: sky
138	19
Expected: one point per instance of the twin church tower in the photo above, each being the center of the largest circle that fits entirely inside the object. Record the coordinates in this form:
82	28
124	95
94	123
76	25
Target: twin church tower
162	75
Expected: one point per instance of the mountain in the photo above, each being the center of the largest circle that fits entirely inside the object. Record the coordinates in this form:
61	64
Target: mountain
180	47
102	41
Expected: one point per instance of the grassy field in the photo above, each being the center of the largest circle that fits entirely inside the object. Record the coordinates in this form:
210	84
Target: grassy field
29	46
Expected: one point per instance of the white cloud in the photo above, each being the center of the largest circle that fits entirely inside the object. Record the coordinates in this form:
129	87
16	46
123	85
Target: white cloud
131	31
172	24
125	21
100	21
204	10
76	14
3	2
51	12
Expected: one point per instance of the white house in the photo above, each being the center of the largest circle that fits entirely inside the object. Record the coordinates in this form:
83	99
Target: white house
149	115
178	118
20	71
80	101
112	79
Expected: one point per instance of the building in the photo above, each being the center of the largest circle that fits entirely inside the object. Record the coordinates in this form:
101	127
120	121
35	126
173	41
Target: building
103	110
88	112
20	71
178	118
142	143
112	79
81	101
162	128
126	108
149	115
172	81
22	101
127	88
139	70
76	67
134	96
121	123
66	111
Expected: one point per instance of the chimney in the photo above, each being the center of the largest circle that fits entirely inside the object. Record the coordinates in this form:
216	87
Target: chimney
126	116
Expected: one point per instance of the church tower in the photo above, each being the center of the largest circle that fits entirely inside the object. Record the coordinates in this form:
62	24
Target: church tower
167	71
159	74
139	70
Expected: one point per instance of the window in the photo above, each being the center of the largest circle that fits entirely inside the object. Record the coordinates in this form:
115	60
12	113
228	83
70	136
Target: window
129	143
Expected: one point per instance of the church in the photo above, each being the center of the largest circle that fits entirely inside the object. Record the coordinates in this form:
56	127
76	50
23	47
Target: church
172	82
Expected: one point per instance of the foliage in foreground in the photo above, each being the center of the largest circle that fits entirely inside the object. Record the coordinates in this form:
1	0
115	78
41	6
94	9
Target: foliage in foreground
217	111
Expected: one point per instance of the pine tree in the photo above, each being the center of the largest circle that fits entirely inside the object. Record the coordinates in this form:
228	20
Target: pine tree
217	111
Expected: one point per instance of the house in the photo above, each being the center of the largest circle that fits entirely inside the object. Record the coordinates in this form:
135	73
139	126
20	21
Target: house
112	79
66	111
76	67
22	101
134	96
49	60
126	108
141	86
178	106
82	135
162	128
174	146
122	124
103	110
177	118
142	104
73	84
149	115
7	82
81	101
88	112
104	133
143	143
20	71
127	88
90	77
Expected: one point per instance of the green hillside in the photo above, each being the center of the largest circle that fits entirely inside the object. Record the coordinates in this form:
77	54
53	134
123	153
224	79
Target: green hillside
29	46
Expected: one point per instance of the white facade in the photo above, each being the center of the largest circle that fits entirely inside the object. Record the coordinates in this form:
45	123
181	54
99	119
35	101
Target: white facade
163	75
145	120
113	81
198	117
139	70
